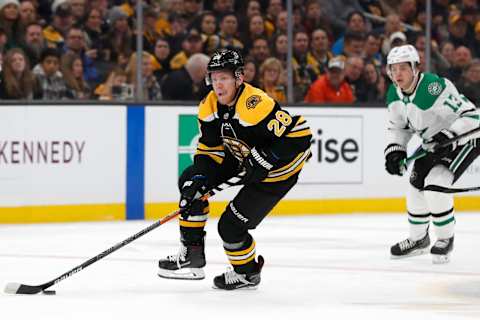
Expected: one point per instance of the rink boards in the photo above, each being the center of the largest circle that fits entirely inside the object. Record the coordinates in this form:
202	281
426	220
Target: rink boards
87	163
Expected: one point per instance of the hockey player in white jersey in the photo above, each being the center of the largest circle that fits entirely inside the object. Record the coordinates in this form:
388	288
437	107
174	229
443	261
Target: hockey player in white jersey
430	107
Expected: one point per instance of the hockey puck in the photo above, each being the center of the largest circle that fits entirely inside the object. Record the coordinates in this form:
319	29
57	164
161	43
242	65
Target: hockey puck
49	292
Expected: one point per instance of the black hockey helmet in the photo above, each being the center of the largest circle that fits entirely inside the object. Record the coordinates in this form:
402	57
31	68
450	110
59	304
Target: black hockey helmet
225	59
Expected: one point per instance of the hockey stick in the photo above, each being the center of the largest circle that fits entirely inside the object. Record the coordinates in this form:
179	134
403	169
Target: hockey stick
17	288
423	153
433	187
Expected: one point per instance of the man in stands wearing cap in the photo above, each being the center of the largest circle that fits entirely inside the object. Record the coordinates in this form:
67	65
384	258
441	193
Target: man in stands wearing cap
62	20
331	87
191	44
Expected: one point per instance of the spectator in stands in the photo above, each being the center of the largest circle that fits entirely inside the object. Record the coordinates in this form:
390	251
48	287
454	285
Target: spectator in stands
316	19
260	51
93	34
161	59
72	71
281	24
220	7
188	83
62	21
192	9
253	8
226	37
375	86
9	21
120	38
372	49
438	64
178	31
17	80
356	22
78	9
272	79
304	75
27	15
191	45
462	58
150	34
354	44
476	40
48	76
102	5
207	26
34	43
447	49
280	48
353	74
407	10
392	24
115	87
458	28
3	40
75	42
331	87
250	72
470	82
152	90
319	53
273	10
256	29
397	39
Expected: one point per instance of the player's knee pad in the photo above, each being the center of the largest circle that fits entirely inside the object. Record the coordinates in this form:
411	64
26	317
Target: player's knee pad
439	201
232	226
416	202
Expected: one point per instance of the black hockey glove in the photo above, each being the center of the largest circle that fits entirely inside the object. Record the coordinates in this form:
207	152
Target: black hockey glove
394	153
257	165
434	144
192	190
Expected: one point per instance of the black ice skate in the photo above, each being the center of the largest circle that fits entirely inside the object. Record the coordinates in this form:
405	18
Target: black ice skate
187	264
231	280
410	248
441	250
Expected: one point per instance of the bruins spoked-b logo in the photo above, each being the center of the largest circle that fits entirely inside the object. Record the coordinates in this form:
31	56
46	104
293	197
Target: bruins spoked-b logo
238	148
252	101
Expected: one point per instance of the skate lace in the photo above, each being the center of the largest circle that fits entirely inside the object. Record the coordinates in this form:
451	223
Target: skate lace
180	256
406	244
442	243
232	277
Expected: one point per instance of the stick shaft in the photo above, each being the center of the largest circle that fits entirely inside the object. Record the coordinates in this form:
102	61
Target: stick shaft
35	289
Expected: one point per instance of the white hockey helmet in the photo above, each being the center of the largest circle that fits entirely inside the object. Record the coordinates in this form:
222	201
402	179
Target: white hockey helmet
405	53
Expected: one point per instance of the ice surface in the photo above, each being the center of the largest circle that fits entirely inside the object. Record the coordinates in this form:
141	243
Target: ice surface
317	267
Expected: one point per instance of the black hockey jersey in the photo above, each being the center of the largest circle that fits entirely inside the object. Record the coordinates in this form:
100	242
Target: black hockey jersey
256	120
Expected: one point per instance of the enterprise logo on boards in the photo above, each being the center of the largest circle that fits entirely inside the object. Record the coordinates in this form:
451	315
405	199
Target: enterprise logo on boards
337	150
188	136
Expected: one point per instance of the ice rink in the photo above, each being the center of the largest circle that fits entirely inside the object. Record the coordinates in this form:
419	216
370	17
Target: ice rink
317	267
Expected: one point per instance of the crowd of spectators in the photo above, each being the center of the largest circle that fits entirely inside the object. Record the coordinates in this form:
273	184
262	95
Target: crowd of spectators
86	49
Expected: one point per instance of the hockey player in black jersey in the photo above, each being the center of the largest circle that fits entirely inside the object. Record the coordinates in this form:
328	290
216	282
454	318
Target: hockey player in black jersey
242	129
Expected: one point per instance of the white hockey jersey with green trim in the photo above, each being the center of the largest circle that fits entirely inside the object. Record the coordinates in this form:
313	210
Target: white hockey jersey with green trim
435	105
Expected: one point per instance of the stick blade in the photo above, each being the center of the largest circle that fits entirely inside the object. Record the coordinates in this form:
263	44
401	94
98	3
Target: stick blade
17	288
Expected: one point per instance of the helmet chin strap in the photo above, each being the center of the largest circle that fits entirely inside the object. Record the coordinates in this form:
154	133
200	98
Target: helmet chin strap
414	80
237	93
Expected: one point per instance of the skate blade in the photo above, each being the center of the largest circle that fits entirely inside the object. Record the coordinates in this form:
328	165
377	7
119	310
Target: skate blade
182	274
418	252
242	288
440	258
